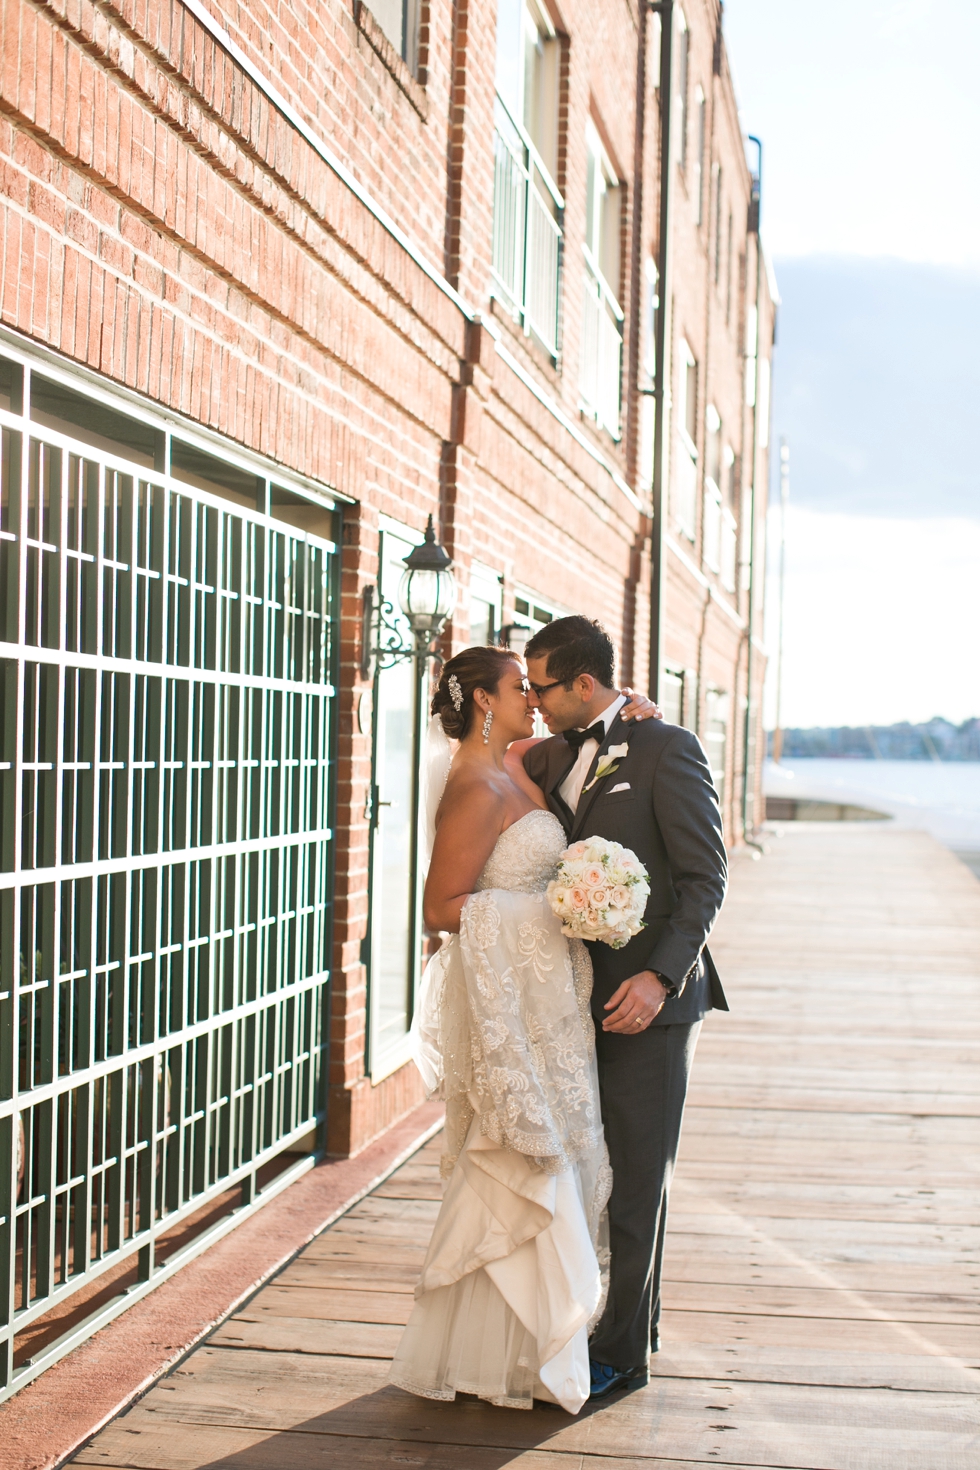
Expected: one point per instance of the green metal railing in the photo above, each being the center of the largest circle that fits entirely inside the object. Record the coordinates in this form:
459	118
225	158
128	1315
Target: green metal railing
167	632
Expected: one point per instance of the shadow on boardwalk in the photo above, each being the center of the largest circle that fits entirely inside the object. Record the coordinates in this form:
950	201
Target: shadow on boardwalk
823	1298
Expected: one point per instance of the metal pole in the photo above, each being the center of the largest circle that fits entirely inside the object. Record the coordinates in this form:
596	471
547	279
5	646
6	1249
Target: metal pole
748	762
661	373
777	737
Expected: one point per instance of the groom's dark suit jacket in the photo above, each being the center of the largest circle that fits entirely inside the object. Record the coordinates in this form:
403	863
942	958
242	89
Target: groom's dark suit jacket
669	816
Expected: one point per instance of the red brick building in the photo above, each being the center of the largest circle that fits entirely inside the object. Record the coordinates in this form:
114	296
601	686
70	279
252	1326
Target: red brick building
279	281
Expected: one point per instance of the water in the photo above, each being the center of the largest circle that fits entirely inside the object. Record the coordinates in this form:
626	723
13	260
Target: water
940	798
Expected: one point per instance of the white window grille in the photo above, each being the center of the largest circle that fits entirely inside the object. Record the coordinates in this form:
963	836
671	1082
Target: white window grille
684	486
399	19
715	737
527	205
697	167
683	80
167	621
729	548
711	528
486	605
602	316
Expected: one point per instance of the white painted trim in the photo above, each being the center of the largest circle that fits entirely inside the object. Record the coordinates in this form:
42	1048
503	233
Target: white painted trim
80	379
219	34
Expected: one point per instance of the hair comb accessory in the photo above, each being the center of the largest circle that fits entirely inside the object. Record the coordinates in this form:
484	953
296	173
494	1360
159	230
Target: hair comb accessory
455	692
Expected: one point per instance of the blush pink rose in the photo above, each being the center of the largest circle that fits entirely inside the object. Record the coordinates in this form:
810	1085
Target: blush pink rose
600	897
593	877
619	896
578	900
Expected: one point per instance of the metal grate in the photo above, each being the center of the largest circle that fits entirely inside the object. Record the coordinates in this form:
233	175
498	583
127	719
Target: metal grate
166	737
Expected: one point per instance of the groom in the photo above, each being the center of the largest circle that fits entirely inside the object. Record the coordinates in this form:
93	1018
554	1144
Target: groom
648	786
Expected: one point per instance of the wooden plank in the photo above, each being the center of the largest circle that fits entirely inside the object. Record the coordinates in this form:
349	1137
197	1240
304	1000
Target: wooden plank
798	1301
823	1260
308	1335
349	1275
769	1267
808	1364
417	1189
422	1211
338	1245
329	1305
191	1448
751	1423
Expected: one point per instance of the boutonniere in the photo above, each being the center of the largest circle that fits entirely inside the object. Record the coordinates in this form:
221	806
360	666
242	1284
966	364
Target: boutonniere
608	763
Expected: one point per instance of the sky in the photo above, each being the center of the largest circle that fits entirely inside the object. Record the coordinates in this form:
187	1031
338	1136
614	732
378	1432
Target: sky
869	115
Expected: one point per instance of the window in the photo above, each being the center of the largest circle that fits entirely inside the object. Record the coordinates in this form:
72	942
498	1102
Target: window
717	219
729	545
685	480
602	334
652	304
716	737
683	67
751	348
527	206
711	523
394	945
678	695
399	21
712	445
697	169
167	780
485	605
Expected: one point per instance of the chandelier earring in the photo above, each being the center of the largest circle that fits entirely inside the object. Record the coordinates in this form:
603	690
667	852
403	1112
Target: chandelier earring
486	727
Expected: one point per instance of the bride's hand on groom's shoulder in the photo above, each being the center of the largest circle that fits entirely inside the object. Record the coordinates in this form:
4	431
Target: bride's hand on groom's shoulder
639	707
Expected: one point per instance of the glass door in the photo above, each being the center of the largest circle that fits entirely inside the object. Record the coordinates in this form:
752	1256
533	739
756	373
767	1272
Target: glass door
395	925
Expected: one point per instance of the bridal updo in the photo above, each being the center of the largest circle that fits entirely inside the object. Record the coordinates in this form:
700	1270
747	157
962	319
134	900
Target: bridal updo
474	668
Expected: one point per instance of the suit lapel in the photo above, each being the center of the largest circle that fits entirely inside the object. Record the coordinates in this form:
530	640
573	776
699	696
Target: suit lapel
616	734
560	765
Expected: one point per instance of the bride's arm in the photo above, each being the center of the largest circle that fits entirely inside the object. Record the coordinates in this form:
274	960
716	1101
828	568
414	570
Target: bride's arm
470	823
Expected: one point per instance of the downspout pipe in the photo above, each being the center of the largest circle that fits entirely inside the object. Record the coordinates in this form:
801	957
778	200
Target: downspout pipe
748	759
661	368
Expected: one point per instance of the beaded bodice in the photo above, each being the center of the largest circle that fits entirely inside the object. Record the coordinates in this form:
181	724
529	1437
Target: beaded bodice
526	854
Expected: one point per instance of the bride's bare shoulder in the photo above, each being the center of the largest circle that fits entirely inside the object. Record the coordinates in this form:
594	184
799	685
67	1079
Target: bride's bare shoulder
470	795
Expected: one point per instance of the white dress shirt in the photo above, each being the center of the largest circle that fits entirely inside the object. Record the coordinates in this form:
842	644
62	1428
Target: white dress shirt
570	789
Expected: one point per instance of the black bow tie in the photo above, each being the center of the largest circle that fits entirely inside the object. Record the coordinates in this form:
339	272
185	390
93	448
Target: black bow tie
577	738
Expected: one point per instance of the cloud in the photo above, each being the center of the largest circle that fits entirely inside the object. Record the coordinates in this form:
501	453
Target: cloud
882	619
876	384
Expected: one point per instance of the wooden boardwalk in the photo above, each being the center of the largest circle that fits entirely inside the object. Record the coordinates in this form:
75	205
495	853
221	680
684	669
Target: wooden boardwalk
824	1256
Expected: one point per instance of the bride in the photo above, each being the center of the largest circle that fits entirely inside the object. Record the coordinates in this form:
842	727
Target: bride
512	1278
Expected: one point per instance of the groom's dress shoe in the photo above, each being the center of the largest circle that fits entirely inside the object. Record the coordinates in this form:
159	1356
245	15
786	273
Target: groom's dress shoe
606	1379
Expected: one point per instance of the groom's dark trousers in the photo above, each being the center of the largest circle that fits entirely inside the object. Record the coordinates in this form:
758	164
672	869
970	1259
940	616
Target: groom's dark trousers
661	802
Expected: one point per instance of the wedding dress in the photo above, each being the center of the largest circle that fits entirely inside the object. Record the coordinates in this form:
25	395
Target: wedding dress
511	1279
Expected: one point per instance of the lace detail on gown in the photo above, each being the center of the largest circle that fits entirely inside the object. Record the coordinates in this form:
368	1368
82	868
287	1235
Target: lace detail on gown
503	1029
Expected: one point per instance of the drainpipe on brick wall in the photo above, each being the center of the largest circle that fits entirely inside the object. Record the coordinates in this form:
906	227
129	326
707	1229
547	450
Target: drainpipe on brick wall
661	369
748	747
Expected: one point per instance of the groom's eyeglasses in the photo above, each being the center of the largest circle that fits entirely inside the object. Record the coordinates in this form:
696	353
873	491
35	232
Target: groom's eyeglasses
540	689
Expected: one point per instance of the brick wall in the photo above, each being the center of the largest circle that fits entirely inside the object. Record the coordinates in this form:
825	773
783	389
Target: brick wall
164	223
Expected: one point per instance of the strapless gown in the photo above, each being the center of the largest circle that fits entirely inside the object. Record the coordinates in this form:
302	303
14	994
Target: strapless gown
512	1276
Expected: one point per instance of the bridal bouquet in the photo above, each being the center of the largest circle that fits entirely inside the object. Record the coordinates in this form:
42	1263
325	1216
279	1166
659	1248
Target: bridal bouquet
600	892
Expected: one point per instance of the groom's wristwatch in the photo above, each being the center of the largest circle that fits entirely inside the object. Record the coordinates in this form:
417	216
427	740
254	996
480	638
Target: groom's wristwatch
668	985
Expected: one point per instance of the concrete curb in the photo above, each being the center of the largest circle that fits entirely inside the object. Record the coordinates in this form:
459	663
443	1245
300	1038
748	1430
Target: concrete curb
53	1417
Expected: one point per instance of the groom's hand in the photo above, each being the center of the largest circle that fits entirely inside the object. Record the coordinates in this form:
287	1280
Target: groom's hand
636	1003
